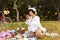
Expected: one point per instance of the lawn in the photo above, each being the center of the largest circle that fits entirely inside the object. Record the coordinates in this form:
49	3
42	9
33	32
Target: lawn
51	26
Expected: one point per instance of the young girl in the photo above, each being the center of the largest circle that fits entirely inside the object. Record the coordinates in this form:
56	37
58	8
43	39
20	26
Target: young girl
34	25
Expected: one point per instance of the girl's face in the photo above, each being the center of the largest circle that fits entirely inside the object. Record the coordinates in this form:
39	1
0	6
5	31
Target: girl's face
30	13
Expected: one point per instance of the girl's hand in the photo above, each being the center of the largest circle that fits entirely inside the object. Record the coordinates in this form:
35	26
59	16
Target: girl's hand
27	16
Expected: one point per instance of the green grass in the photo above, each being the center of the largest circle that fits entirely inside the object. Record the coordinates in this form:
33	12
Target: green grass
51	26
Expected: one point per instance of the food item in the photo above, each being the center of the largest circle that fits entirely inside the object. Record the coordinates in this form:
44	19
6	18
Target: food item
22	30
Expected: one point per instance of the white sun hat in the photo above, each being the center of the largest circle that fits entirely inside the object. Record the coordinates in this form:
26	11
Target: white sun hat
33	9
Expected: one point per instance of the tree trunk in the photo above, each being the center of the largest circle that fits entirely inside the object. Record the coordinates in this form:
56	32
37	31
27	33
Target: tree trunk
15	6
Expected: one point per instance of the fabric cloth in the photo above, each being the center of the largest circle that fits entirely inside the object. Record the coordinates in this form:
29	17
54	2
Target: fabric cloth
33	38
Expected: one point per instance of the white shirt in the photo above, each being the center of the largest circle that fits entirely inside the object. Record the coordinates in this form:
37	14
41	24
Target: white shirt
34	23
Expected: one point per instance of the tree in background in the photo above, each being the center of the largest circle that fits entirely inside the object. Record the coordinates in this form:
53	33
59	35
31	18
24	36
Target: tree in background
56	4
15	7
47	9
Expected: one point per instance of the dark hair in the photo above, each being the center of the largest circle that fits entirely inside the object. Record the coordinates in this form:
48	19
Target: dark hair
30	10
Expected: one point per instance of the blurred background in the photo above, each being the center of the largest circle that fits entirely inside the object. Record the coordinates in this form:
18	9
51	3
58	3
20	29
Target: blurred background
47	10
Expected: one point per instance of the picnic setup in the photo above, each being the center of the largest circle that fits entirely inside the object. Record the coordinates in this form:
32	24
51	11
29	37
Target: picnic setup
29	19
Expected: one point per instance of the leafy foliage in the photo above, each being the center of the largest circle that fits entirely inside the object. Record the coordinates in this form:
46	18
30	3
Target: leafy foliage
46	8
